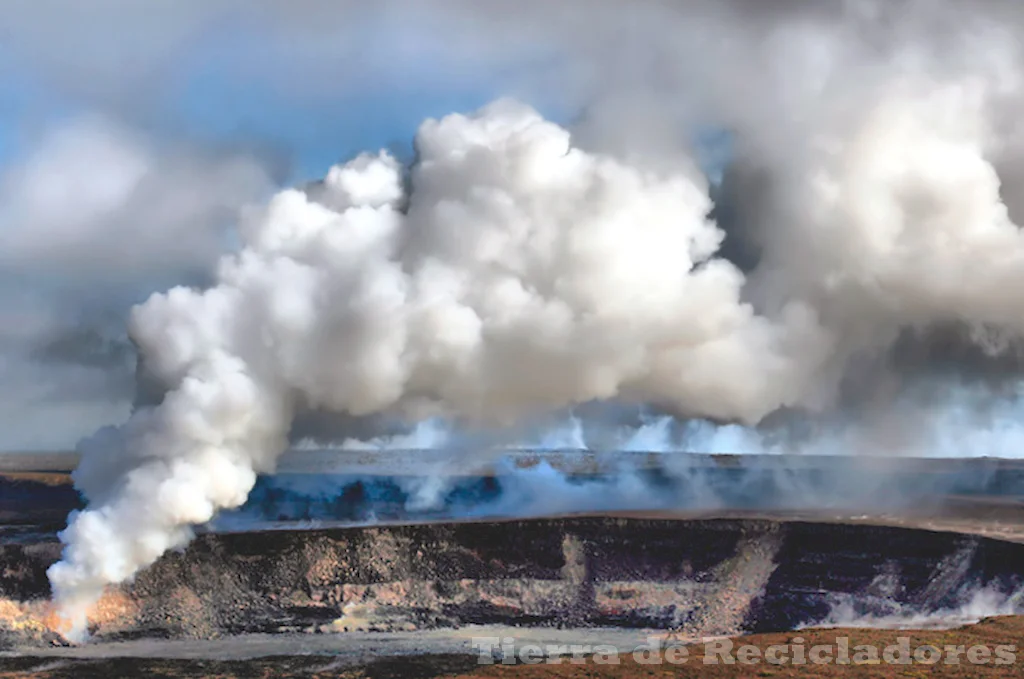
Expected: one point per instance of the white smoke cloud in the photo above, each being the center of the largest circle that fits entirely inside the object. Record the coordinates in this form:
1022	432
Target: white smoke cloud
893	217
92	219
975	604
94	199
521	275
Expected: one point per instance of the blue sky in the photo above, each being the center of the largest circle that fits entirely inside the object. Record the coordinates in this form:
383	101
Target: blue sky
209	98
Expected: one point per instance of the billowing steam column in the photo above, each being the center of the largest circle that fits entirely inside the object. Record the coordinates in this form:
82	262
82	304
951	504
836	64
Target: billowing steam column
519	274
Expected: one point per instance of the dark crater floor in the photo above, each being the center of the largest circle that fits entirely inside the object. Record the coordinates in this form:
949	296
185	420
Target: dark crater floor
701	577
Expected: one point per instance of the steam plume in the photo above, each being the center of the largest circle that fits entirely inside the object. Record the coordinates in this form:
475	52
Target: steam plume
512	274
521	274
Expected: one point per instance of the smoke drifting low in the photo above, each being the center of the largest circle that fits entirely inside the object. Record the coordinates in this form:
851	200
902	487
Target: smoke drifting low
510	274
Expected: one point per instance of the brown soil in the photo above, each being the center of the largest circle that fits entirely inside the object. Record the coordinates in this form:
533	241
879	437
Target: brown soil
45	478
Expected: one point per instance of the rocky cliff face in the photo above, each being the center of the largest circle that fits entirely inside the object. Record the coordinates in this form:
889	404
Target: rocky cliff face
700	577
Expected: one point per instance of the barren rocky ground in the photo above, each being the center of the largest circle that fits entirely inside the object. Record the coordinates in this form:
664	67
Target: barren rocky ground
713	577
990	634
334	601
